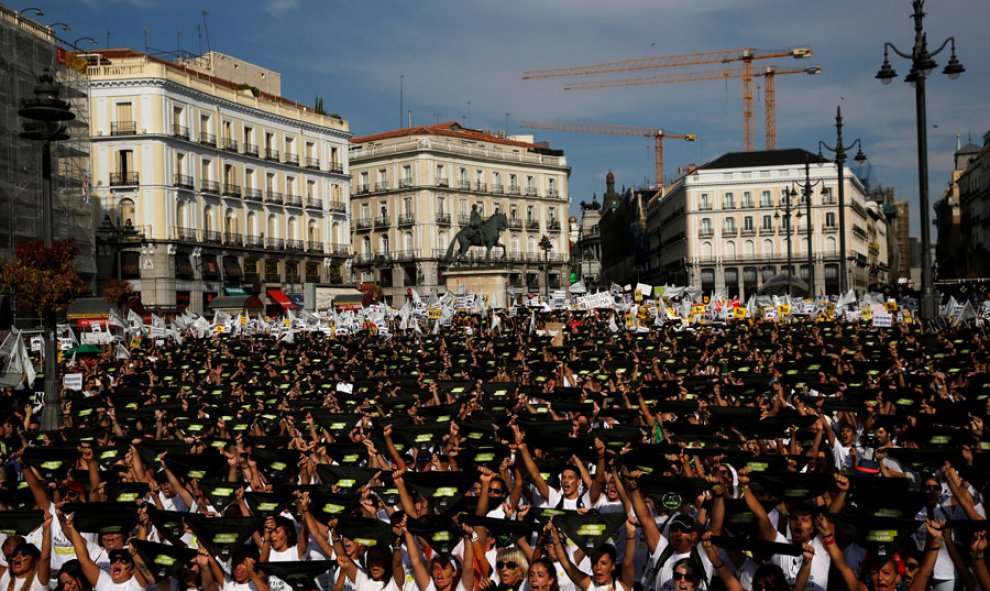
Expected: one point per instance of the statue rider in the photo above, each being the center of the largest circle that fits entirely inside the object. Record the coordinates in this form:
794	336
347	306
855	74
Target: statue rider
475	223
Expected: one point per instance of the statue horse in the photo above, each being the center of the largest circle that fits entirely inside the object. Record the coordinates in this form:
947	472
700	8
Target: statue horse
486	235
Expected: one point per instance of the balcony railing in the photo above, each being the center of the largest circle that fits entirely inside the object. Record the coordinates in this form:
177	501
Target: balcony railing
207	138
407	219
271	154
337	207
293	200
124	179
513	189
553	225
706	233
728	205
730	232
532	224
253	194
748	232
274	243
273	197
464	185
443	182
765	231
363	189
314	245
463	220
189	234
830	229
382	221
180	131
381	186
553	193
531	191
515	224
313	163
228	144
482	187
251	278
405	183
123	127
184	181
251	149
443	219
294	245
405	255
254	241
340	249
363	258
337	167
211	187
314	202
231	190
233	238
498	188
362	223
211	236
292	159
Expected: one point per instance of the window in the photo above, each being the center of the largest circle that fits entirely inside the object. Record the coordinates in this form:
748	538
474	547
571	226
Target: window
249	178
765	199
310	189
440	205
785	196
767	222
705	202
126	212
728	201
747	199
365	211
407	206
552	187
270	182
513	182
462	176
406	175
706	226
748	223
529	213
830	219
513	212
290	148
730	224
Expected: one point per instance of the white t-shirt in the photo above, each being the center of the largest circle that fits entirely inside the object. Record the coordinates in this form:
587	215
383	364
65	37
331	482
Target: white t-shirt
19	583
818	579
105	583
362	582
290	554
582	500
234	586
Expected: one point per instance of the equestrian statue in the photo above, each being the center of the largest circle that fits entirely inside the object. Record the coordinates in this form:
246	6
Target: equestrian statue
480	234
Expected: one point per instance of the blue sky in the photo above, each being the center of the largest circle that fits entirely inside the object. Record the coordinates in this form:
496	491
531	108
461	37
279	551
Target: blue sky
455	52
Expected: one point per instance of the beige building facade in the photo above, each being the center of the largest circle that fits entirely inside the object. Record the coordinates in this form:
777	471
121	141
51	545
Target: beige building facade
724	226
413	189
214	186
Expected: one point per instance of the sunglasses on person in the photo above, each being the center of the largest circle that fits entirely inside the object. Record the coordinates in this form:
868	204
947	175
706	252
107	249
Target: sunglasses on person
506	564
687	577
121	559
496	491
22	551
911	566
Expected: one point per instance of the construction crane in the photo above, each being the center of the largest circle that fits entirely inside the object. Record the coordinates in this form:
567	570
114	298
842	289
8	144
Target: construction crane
745	55
658	136
770	73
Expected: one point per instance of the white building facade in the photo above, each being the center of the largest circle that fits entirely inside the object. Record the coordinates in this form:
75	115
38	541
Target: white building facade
228	187
725	226
413	189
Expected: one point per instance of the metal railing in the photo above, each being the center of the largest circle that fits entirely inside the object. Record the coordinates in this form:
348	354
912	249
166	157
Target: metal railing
233	238
407	219
479	186
228	144
363	189
211	236
292	159
553	193
254	241
337	167
382	221
124	179
830	229
405	255
443	182
123	128
553	225
184	181
294	245
362	223
253	194
531	191
314	202
764	231
443	219
381	186
706	233
464	185
274	243
180	233
405	183
180	131
273	197
314	245
271	154
498	188
337	207
231	190
211	187
532	224
251	149
207	138
313	163
730	232
340	249
515	224
463	220
294	200
513	189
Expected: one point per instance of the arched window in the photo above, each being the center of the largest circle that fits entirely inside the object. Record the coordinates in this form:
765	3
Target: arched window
293	230
335	233
749	248
768	247
272	226
730	249
409	247
385	243
125	212
313	232
252	223
182	213
830	245
515	245
230	222
366	245
208	218
706	249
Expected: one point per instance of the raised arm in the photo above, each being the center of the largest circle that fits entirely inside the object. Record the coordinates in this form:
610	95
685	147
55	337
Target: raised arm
580	579
628	574
838	559
541	485
767	531
89	568
650	530
721	569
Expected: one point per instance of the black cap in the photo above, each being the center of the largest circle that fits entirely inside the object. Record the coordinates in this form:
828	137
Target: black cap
885	497
20	522
163	560
671	492
102	518
795	488
52	463
590	530
120	554
300	575
223	535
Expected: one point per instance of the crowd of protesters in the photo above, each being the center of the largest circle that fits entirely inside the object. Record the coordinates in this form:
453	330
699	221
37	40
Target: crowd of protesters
550	456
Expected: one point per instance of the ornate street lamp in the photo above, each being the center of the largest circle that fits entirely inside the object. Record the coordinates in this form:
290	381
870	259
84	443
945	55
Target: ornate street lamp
806	188
787	207
44	118
922	64
840	150
547	246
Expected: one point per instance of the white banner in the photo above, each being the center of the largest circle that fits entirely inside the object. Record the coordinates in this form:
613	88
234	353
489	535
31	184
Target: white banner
73	381
596	300
882	319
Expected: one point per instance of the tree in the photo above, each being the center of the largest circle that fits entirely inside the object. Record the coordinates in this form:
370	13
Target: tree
117	291
43	279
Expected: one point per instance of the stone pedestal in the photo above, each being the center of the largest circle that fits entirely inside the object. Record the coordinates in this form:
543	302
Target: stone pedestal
491	282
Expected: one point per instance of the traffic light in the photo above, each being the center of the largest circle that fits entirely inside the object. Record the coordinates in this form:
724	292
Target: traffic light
573	277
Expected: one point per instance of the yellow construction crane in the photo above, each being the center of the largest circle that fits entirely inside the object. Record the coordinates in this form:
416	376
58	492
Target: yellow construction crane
770	74
745	56
657	134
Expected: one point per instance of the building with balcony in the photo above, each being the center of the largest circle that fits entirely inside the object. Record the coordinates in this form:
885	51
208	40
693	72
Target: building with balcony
950	261
28	48
413	190
586	255
228	185
725	225
974	212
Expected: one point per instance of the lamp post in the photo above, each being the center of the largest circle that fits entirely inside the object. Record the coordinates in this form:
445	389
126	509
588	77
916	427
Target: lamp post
806	193
788	206
546	245
30	9
840	150
44	118
922	64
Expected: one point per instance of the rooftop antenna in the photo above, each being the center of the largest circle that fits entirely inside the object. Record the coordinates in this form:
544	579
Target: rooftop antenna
108	39
199	38
409	116
178	43
145	40
206	29
402	79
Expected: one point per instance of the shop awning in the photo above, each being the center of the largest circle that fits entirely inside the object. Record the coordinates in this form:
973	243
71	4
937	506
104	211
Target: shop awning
183	266
246	302
350	300
281	299
210	269
232	269
88	308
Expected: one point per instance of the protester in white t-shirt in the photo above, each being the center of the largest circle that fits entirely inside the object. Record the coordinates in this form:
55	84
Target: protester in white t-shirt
123	575
27	567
